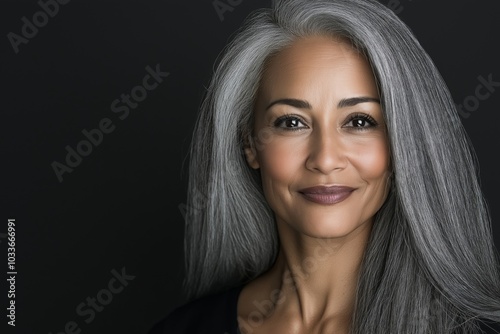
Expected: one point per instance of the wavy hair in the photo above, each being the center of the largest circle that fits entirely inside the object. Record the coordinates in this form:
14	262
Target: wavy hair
430	265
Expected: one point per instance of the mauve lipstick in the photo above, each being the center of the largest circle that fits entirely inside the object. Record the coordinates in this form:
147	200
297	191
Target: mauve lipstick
326	194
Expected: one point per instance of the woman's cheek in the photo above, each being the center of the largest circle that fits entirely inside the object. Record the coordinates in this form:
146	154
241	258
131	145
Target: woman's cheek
281	159
370	158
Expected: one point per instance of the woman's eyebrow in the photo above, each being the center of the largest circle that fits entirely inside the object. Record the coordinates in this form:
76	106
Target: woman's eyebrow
301	104
356	100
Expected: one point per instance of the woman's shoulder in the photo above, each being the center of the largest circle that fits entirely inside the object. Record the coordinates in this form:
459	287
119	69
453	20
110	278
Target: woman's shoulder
215	313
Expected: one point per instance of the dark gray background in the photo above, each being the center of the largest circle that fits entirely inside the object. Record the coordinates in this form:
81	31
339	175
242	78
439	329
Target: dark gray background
120	206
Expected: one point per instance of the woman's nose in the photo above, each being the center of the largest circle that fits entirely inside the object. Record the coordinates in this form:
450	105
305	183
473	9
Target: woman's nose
326	152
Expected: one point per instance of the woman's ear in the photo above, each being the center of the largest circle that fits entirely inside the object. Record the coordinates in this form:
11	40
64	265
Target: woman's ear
250	152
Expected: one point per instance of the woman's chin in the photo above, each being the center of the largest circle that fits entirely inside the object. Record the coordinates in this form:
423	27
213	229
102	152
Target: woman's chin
327	229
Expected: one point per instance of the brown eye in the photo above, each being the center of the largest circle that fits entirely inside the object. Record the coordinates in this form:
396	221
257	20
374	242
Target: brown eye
360	122
289	122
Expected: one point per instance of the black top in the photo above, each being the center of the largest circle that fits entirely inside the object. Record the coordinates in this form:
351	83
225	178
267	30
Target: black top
216	314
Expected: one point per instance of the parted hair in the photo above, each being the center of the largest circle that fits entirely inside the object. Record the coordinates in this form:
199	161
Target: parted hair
430	265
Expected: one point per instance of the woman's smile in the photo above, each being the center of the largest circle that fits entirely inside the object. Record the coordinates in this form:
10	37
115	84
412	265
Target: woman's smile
327	195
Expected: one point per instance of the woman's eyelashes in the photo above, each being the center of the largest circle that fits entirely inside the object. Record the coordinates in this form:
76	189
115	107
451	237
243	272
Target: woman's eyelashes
360	121
289	123
355	121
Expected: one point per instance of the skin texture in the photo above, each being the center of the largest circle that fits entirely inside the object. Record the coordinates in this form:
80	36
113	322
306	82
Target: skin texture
311	286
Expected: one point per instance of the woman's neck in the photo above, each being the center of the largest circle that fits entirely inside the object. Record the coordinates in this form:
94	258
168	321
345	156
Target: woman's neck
312	282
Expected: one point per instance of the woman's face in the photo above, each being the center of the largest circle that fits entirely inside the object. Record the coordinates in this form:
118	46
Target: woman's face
318	123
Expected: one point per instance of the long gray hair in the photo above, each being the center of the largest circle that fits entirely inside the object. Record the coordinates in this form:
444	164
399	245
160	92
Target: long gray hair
430	265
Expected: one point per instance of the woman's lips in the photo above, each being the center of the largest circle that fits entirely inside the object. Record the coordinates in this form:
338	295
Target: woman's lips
326	195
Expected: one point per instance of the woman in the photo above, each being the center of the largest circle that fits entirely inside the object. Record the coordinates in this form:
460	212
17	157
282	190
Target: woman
332	187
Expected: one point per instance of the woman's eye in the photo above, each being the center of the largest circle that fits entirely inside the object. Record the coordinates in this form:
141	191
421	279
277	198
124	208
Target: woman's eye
289	123
360	121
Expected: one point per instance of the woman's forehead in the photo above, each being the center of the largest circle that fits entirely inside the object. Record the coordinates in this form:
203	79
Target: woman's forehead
314	63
